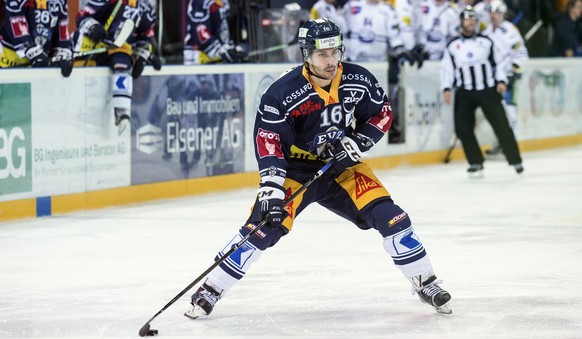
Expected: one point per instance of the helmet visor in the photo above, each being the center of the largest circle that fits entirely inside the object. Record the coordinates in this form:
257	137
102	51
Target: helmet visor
324	57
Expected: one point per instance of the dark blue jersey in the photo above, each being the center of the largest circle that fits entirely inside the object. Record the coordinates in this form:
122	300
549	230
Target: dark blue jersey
140	11
296	119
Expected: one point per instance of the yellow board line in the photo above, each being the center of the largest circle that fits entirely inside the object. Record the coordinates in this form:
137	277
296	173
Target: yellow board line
68	203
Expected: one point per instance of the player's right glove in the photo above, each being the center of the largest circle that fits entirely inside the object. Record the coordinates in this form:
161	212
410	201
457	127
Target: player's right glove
64	59
94	30
420	55
271	196
37	56
231	53
345	152
142	51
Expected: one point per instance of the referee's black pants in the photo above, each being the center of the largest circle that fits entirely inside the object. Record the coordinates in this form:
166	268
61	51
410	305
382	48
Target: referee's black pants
466	102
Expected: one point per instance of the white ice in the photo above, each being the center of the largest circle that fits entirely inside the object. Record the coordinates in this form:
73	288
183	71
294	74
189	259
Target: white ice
508	248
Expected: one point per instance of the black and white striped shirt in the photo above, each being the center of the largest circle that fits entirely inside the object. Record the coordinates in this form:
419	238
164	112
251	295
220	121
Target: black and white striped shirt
472	64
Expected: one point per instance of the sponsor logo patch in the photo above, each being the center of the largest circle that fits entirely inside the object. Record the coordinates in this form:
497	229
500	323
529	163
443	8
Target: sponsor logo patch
19	26
364	184
268	144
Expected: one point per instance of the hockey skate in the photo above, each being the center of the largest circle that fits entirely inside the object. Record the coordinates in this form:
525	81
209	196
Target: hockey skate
122	119
203	301
475	171
518	168
429	292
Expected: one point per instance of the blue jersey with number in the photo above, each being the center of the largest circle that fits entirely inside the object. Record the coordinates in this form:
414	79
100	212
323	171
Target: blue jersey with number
297	118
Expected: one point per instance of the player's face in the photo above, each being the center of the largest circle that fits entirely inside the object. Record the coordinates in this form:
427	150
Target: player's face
324	62
469	25
496	18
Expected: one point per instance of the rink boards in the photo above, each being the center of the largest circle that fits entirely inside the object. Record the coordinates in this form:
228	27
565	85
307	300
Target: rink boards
191	131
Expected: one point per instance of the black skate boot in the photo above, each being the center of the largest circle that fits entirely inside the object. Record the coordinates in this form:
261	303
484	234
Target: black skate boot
475	171
429	292
203	301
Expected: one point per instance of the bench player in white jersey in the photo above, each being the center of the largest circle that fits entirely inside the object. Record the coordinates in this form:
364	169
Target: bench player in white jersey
373	31
324	110
328	9
438	22
510	43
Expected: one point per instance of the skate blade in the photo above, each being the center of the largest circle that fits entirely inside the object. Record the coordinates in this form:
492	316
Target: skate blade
187	315
444	309
122	126
194	313
477	175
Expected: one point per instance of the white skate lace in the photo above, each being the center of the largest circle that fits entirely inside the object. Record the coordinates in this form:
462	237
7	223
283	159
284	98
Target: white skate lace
210	297
430	290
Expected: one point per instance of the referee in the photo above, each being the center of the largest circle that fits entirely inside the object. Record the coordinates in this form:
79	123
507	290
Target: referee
471	67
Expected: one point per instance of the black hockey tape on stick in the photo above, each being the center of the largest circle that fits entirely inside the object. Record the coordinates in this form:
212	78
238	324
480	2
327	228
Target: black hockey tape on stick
145	329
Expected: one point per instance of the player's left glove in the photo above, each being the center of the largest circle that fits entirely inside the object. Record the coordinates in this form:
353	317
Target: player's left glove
64	59
37	56
271	196
142	55
142	51
345	152
231	53
420	55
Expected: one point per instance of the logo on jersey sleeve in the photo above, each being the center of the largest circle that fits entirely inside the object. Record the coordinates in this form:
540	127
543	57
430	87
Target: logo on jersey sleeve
268	144
203	34
19	26
63	30
382	120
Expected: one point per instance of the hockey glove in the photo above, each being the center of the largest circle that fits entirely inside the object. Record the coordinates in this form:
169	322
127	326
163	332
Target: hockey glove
420	55
271	197
64	59
345	153
142	52
93	30
156	62
231	53
37	56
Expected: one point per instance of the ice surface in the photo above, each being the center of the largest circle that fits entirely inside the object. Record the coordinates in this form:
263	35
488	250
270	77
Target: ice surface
508	248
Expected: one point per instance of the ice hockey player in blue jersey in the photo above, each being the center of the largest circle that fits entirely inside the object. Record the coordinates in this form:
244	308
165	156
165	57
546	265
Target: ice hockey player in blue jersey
35	33
322	111
99	24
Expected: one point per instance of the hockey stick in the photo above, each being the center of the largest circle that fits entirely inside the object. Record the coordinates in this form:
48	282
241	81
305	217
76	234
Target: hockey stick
275	48
450	151
145	329
108	23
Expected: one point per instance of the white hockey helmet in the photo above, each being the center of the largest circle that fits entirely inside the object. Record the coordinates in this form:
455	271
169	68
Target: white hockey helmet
498	6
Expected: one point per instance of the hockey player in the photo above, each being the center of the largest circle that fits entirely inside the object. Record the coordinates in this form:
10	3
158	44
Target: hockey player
207	34
328	9
324	110
373	31
437	24
99	23
514	53
36	33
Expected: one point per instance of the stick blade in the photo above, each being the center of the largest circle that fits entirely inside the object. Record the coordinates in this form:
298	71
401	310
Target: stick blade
143	331
124	32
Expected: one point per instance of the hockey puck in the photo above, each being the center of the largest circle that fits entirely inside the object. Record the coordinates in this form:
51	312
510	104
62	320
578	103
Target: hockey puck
152	333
